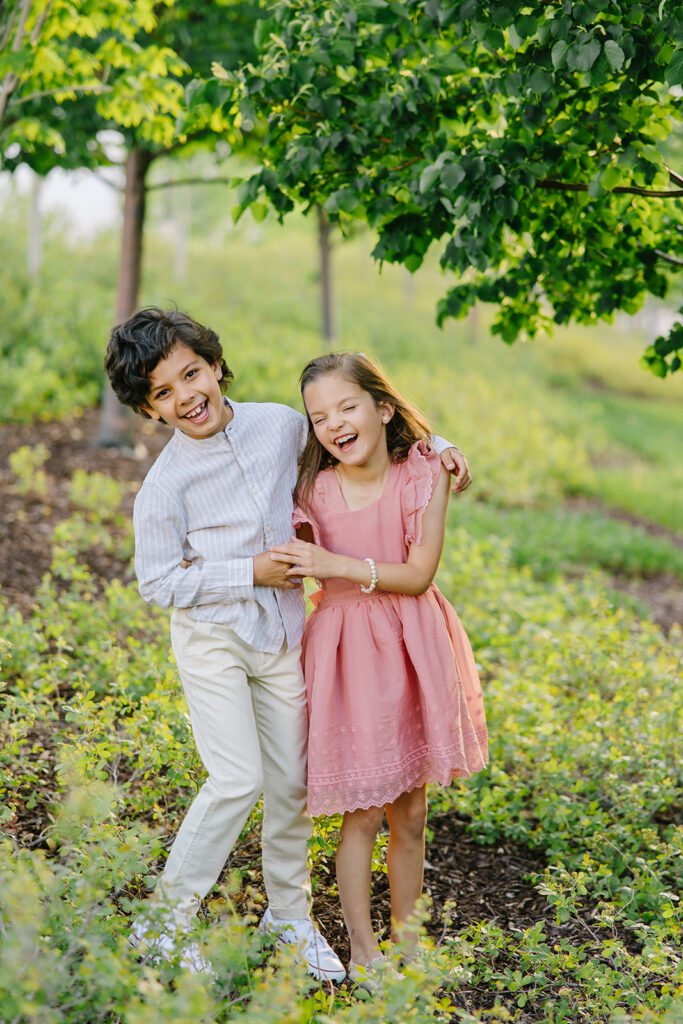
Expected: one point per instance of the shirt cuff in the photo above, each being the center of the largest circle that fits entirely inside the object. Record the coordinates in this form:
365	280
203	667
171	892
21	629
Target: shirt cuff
440	444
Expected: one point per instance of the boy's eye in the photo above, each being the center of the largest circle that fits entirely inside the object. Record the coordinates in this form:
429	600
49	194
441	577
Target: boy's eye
348	408
161	394
191	373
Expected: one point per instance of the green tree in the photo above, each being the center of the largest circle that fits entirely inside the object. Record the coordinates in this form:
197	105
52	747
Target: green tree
197	35
54	51
134	76
522	137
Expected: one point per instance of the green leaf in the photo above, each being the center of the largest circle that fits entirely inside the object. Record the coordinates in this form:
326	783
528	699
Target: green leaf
413	262
610	177
559	52
674	72
452	175
258	211
587	55
540	81
614	54
428	177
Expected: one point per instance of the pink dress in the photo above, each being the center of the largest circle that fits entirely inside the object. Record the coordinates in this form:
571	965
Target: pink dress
393	693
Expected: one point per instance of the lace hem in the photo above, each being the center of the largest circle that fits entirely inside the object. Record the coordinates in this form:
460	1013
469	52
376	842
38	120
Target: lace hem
352	789
339	799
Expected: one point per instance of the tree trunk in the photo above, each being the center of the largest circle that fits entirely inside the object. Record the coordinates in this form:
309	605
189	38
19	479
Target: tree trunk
180	203
34	248
327	299
116	420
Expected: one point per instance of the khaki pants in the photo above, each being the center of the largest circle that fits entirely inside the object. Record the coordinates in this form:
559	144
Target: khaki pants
249	721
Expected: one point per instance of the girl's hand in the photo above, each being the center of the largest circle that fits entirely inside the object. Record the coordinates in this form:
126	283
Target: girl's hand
306	559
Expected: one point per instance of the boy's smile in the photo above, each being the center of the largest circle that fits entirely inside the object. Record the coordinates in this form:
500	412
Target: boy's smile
184	391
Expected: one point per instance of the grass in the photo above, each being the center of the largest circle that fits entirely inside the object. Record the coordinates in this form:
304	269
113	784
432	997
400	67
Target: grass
551	542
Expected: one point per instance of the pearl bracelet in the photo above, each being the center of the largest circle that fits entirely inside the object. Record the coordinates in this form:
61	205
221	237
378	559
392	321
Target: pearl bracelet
373	576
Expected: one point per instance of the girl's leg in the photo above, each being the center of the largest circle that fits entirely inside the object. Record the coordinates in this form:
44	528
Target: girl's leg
407	818
354	865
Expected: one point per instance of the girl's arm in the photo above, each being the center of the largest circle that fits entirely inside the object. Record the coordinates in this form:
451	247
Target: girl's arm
411	577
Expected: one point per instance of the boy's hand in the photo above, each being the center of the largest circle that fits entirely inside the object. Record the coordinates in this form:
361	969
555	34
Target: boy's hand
455	462
269	573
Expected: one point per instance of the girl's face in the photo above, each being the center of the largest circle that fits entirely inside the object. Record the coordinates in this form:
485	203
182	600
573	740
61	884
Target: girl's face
347	421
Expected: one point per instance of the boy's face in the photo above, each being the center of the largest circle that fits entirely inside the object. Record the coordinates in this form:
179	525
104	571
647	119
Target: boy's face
184	391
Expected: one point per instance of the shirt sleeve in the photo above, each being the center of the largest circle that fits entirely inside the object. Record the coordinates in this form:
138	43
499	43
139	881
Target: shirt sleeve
440	444
160	536
301	424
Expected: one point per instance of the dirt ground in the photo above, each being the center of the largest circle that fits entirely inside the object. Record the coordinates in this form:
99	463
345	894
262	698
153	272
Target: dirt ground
477	882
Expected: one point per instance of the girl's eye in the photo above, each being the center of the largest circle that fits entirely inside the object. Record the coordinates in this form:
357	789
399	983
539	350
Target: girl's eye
348	408
161	394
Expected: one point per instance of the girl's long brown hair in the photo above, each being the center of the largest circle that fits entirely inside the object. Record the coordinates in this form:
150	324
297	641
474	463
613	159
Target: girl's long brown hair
405	427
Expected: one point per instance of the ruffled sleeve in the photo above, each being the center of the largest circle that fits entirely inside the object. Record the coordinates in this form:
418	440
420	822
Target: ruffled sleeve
309	514
299	517
422	468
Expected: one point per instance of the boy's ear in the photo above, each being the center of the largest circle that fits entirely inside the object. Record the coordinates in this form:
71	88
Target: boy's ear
218	370
150	411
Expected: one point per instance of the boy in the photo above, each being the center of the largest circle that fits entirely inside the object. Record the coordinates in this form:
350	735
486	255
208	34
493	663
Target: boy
216	499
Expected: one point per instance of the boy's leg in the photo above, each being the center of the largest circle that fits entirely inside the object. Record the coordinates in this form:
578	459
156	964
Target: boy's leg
214	665
279	701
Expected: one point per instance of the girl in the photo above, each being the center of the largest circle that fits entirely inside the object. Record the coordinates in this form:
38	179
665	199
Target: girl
394	697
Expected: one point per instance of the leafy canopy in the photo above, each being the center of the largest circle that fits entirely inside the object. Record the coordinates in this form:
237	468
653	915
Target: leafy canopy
524	138
55	51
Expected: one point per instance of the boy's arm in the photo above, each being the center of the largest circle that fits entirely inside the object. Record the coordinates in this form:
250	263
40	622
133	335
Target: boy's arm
159	535
454	461
301	427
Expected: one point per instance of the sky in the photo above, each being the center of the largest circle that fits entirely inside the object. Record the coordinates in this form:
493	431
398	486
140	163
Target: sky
87	203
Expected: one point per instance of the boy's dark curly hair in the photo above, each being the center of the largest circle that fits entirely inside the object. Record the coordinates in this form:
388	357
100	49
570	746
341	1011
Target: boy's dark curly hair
141	342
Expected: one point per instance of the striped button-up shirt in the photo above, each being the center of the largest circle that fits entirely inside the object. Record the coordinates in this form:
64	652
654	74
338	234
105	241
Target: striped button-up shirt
219	501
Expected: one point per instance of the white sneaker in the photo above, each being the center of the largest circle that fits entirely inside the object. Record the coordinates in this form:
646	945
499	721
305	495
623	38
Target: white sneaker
310	946
157	944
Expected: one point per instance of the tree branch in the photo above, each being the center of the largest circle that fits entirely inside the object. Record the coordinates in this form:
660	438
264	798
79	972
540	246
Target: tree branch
64	90
35	35
635	190
669	259
190	181
9	82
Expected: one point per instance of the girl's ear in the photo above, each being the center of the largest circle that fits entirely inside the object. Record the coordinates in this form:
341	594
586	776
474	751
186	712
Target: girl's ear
386	411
